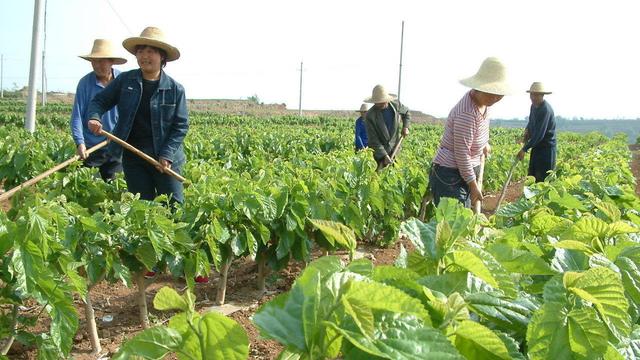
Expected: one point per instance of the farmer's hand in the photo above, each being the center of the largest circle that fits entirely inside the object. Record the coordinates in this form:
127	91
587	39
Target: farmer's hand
520	155
81	151
95	126
164	165
405	131
487	150
476	194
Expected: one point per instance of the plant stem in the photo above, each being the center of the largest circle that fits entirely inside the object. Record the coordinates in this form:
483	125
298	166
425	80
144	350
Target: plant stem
92	329
14	319
262	273
142	299
222	285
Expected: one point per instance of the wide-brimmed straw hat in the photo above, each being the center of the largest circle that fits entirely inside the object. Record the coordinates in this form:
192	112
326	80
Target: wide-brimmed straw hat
103	49
538	88
152	36
363	108
491	78
379	95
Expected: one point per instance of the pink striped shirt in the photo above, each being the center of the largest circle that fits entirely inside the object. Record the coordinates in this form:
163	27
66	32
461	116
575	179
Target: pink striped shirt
465	135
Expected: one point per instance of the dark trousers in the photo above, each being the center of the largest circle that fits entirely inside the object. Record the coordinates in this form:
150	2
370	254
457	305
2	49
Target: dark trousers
541	161
106	164
447	182
144	179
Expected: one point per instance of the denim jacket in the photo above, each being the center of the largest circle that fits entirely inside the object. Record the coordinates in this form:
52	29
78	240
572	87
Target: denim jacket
169	116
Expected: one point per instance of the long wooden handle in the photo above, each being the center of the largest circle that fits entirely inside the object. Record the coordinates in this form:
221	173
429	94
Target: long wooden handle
506	184
478	205
146	157
396	148
34	180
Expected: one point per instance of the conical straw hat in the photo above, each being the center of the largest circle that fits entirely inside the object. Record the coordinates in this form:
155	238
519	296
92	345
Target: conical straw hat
538	88
379	95
152	36
490	78
103	49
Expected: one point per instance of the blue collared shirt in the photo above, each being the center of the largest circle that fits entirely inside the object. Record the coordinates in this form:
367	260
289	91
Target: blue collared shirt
87	88
361	134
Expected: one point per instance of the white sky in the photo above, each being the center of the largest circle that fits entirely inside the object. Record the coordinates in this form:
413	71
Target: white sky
586	51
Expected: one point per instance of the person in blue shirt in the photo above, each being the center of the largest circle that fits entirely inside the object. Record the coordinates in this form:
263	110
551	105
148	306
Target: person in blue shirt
361	129
102	58
540	134
153	117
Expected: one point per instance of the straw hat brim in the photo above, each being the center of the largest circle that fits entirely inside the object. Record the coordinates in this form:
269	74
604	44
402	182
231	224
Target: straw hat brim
496	88
540	92
116	60
387	98
131	43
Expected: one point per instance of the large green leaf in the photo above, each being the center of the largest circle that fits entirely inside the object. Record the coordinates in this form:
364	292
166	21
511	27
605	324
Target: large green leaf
484	266
398	337
520	261
281	319
336	232
153	343
223	338
630	348
447	283
603	288
511	315
377	296
587	334
547	335
168	299
422	236
475	341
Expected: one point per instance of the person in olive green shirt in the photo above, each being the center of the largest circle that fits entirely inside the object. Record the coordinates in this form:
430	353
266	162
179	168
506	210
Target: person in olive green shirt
383	124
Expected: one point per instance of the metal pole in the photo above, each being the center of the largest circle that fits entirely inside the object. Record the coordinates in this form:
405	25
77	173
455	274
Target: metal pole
44	50
300	92
2	76
30	118
400	72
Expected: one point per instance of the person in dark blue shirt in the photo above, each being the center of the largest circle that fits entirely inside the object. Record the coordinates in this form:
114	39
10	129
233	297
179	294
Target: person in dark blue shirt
102	58
540	134
361	129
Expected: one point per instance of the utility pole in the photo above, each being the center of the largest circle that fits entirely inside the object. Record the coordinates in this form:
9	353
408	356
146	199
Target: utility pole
44	50
2	76
400	71
30	118
300	92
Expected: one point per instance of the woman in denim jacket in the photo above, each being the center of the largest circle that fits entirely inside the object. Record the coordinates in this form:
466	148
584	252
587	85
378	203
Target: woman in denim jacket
153	117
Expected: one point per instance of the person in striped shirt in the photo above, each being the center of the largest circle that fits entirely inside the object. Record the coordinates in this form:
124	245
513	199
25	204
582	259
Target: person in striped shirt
456	165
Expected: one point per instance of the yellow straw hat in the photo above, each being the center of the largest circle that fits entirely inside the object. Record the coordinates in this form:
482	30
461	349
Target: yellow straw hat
538	88
490	78
103	49
363	108
152	36
379	95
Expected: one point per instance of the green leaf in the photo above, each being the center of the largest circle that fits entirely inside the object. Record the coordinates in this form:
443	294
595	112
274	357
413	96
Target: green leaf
168	299
387	298
484	266
447	283
587	334
399	337
519	261
223	338
509	314
630	348
153	343
569	260
547	334
422	236
281	319
336	232
475	341
575	245
64	323
603	288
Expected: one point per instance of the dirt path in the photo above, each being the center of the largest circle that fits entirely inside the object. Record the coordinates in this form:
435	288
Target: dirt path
635	165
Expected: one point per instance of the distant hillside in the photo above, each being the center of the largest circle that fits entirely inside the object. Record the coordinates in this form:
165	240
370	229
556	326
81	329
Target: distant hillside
606	127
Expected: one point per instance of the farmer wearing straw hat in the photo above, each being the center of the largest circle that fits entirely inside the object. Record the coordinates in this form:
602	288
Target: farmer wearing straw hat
361	130
153	116
384	128
540	134
466	136
102	58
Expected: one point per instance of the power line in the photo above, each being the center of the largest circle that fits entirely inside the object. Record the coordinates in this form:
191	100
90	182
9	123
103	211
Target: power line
119	17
